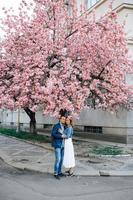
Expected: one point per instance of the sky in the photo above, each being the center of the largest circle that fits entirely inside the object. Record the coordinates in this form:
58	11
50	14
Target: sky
7	4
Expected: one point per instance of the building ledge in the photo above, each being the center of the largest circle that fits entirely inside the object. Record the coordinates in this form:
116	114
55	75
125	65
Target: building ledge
117	9
124	6
130	41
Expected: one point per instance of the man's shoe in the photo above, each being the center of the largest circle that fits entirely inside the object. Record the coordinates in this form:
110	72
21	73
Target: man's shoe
57	176
61	174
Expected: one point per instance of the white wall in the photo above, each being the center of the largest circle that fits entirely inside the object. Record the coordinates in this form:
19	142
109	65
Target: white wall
93	117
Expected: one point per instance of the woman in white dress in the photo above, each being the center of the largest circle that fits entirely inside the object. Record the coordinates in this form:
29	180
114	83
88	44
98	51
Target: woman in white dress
69	159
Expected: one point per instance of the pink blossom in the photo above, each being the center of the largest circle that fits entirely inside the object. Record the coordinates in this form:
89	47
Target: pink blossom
63	61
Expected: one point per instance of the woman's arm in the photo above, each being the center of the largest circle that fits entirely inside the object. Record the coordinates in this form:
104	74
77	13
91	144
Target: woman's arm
68	132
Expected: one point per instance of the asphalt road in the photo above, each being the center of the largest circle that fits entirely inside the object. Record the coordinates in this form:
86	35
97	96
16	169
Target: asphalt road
25	185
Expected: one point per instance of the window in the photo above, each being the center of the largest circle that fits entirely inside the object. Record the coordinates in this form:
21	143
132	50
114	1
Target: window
93	129
90	3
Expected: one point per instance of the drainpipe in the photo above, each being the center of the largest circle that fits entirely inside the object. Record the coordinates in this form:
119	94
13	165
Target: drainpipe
18	121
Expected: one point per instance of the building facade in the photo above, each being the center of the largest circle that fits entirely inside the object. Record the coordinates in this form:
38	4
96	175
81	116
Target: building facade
119	124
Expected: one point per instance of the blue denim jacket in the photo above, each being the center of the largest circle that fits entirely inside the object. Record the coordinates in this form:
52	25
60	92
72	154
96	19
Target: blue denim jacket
57	140
68	131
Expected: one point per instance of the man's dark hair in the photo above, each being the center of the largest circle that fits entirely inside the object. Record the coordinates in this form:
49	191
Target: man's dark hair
64	113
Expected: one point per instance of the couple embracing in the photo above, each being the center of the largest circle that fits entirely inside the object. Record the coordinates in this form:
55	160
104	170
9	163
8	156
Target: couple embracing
62	142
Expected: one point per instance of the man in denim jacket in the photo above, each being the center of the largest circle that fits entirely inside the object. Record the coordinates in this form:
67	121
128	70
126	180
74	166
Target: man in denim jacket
58	144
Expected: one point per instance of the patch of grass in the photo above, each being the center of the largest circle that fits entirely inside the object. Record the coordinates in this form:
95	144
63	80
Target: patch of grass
108	150
25	135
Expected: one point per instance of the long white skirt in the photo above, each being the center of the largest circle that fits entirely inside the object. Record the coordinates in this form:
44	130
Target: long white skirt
69	159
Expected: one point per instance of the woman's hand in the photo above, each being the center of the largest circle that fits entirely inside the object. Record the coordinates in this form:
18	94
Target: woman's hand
64	136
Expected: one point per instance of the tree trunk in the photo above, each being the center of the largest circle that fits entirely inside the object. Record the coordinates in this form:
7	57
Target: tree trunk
31	115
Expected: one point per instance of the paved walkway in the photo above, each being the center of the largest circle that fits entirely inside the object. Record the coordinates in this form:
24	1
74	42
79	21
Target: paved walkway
24	155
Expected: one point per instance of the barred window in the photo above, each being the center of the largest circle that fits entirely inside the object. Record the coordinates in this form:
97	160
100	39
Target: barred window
93	129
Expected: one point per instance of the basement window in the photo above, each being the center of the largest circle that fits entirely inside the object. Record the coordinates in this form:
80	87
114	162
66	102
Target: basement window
93	129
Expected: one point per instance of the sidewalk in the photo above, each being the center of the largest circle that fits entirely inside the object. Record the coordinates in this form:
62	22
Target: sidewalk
24	155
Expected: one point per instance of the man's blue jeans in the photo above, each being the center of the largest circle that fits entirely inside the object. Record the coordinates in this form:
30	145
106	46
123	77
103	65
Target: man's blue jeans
59	154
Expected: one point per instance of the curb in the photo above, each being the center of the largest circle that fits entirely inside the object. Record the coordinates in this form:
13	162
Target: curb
115	173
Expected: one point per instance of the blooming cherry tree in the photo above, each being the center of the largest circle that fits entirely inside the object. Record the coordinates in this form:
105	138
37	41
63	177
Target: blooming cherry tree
57	60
